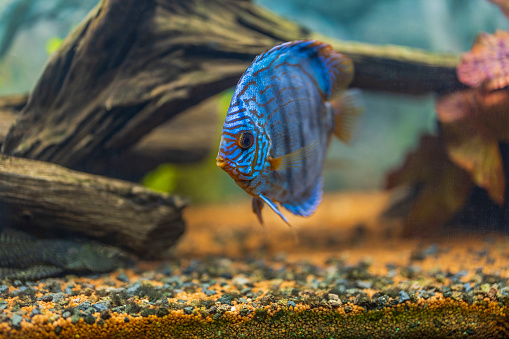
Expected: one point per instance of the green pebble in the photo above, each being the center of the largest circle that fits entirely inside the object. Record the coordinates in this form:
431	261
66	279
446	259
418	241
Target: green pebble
90	319
161	312
75	318
148	311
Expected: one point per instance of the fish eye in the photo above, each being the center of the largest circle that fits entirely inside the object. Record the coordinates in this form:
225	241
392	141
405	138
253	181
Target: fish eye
246	140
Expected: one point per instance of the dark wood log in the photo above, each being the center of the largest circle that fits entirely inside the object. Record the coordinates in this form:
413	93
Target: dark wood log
398	69
132	65
48	200
7	118
185	139
13	102
10	106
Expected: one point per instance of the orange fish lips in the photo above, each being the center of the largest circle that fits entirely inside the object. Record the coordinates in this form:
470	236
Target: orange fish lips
221	162
226	165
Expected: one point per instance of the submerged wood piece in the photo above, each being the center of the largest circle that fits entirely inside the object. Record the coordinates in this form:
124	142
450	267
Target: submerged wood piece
188	138
112	81
185	139
13	102
47	200
399	69
10	105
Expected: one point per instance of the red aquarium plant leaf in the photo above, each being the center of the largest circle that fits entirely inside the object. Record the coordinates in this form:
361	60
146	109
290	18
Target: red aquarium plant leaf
473	122
479	155
444	187
490	108
486	65
494	106
504	6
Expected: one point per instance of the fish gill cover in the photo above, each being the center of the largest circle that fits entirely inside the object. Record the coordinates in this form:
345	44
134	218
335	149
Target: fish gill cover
467	152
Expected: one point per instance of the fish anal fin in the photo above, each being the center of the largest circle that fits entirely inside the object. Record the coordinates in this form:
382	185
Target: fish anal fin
308	204
294	158
346	108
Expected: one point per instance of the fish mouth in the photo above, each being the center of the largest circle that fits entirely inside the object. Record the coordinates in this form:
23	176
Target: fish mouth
221	162
226	166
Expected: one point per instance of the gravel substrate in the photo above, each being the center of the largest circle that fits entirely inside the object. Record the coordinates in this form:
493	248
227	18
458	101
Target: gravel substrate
349	277
276	297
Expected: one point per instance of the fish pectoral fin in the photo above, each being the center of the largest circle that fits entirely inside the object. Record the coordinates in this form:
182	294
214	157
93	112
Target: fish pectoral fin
257	205
347	108
278	212
294	158
274	208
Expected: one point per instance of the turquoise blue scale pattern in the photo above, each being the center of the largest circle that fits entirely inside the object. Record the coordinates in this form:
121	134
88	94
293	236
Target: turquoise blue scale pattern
282	99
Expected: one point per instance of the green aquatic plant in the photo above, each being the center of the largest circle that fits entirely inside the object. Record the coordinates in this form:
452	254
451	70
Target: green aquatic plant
162	179
474	123
53	44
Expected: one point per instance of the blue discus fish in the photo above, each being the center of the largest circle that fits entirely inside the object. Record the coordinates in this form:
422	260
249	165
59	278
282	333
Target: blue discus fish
280	122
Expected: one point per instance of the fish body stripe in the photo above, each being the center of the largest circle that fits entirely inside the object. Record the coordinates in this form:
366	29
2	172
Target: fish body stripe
281	100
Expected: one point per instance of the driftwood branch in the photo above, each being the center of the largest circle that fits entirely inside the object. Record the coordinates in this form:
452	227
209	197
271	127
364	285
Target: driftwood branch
400	69
188	138
9	109
48	200
112	81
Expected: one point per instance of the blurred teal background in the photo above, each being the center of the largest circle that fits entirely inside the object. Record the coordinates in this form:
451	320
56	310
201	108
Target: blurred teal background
31	29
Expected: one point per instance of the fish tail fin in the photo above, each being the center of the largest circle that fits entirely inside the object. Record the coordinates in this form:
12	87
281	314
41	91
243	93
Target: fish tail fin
346	108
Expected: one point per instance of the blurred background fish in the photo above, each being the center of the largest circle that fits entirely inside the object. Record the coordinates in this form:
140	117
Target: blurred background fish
283	113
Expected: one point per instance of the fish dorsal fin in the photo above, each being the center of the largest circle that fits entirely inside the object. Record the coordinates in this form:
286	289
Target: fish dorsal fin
346	108
293	159
331	71
308	204
339	69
